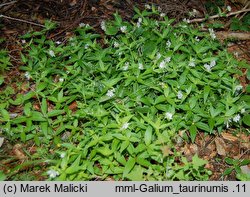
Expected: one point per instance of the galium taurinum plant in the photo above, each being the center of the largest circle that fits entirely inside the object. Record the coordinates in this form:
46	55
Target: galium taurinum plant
149	80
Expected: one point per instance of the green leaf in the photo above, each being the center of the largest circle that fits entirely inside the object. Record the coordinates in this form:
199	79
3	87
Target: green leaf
1	80
104	151
229	161
129	166
37	116
143	162
228	171
245	162
27	110
197	162
136	174
246	119
203	126
206	93
54	113
160	99
111	30
44	106
148	135
2	176
5	114
193	132
74	166
248	89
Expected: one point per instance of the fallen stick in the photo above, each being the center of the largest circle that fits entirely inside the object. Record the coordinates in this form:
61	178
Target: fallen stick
233	35
21	20
218	16
4	4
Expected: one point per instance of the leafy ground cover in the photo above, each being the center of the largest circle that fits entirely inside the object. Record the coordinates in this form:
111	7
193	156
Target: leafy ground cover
114	109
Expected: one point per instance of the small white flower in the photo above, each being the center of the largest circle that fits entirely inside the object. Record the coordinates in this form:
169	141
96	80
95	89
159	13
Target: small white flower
58	42
236	54
52	173
62	155
138	24
191	64
140	66
110	93
125	126
86	46
125	67
186	20
116	44
162	85
169	115
179	95
27	75
23	41
103	26
228	122
61	79
229	9
197	39
236	118
120	53
147	6
123	29
168	44
212	63
13	115
81	24
169	172
207	67
51	53
242	111
162	15
238	88
212	34
167	60
162	64
158	56
193	13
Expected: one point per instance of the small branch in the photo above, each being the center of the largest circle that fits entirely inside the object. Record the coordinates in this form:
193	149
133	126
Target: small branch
4	4
218	16
21	20
233	35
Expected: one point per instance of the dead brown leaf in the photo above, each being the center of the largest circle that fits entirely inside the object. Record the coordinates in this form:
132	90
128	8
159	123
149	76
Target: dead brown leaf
230	137
190	150
73	106
166	151
220	146
17	150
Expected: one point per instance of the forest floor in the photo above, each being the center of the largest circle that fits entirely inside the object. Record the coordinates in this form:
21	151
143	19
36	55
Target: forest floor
22	16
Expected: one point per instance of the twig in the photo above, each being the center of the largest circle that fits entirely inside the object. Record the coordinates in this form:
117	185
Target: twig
218	16
21	20
233	35
4	4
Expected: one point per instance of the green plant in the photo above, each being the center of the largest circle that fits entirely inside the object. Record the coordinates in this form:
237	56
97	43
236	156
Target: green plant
4	63
241	24
193	170
236	165
107	111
